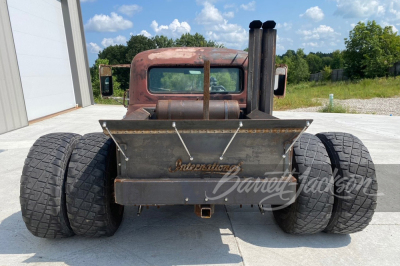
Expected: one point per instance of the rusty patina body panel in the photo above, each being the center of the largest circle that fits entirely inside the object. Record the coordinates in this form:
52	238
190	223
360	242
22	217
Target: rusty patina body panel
141	97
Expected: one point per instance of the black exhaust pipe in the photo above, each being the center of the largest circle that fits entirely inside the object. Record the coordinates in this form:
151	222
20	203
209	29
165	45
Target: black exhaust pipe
268	67
254	68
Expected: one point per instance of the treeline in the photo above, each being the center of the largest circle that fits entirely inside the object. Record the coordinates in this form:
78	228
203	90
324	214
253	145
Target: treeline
301	65
370	51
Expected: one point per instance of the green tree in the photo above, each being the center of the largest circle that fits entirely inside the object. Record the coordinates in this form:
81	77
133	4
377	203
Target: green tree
163	41
196	40
371	50
137	44
297	66
315	63
116	54
337	60
326	61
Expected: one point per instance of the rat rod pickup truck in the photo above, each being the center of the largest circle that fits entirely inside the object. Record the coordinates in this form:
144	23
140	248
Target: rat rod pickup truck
199	130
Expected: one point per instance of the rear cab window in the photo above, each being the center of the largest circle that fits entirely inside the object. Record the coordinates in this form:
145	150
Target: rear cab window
183	80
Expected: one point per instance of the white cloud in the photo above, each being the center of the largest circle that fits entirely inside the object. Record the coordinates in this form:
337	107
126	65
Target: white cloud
209	15
232	35
130	10
113	41
282	42
227	6
323	32
175	29
394	9
93	47
385	24
230	14
249	7
145	33
359	8
314	13
389	10
285	26
310	44
219	29
322	36
105	23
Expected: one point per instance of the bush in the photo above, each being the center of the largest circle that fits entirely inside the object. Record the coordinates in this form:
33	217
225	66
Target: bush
327	73
335	108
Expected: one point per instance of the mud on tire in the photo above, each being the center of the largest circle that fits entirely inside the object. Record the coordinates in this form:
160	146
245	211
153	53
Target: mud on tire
90	202
311	211
355	183
42	189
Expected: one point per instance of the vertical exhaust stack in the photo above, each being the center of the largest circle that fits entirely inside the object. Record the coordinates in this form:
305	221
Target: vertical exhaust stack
254	66
206	98
268	67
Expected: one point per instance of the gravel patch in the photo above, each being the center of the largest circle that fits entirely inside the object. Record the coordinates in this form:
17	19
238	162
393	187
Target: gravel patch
378	106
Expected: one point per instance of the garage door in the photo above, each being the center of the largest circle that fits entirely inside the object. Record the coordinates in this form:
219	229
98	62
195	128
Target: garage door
42	53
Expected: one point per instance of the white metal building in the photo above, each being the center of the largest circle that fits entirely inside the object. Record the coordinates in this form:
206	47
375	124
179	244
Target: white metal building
43	60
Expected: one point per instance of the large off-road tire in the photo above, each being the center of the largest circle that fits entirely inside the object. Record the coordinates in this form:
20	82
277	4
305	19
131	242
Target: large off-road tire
42	189
92	211
355	183
311	211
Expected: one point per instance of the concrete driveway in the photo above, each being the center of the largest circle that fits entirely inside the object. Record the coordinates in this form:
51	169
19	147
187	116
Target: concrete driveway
175	236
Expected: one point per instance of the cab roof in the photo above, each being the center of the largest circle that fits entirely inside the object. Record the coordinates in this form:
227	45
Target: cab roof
191	56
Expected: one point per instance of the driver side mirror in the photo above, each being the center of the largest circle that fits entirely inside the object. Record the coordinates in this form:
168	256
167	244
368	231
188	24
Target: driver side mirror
106	81
280	81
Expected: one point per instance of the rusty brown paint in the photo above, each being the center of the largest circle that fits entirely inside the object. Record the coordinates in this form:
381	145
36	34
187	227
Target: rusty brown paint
206	97
189	109
141	97
105	71
208	131
290	179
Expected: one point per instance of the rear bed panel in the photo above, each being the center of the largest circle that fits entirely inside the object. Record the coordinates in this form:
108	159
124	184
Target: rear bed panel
155	150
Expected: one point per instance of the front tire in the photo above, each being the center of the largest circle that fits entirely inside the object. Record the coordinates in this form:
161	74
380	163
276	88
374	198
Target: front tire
92	211
42	189
355	183
311	211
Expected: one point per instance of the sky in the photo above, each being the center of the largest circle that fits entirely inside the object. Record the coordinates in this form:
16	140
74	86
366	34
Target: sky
313	25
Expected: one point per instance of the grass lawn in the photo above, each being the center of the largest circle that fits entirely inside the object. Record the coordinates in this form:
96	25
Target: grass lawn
307	94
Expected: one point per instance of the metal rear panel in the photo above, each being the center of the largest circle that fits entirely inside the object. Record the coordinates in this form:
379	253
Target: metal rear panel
155	150
203	191
12	106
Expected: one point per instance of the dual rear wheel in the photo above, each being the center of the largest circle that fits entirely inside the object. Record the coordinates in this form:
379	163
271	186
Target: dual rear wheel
67	186
337	186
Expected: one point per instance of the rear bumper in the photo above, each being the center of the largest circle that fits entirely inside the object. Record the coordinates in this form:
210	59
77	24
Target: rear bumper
190	191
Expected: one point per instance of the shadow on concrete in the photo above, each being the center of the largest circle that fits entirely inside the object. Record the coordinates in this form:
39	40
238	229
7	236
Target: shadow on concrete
171	235
262	231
